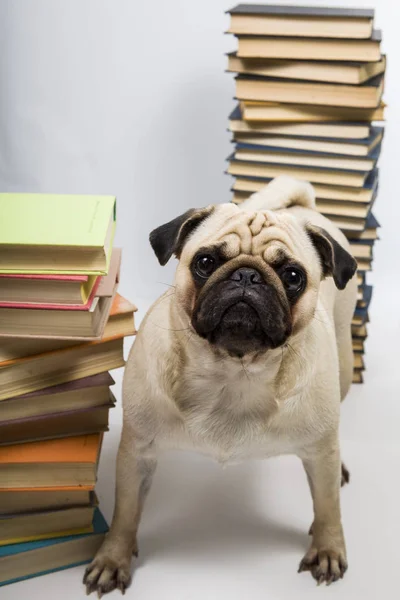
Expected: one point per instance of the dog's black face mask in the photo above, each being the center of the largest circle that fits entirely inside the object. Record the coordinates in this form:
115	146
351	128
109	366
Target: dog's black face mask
242	308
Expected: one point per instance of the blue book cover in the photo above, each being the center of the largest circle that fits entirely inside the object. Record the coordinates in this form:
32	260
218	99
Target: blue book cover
362	313
372	222
370	183
236	115
232	158
99	527
373	155
375	82
374	132
303	11
367	295
362	242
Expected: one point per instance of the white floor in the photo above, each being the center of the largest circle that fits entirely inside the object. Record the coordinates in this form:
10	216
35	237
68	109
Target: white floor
240	532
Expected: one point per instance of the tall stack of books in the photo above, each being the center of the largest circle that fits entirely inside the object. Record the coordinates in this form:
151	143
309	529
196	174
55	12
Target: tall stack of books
62	326
309	87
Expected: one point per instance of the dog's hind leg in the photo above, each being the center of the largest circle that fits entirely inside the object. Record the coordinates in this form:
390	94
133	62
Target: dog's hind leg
343	314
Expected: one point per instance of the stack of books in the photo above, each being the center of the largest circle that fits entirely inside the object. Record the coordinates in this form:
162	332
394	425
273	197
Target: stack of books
309	84
62	327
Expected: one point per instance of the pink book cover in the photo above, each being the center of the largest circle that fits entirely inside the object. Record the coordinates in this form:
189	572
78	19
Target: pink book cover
37	305
104	286
81	278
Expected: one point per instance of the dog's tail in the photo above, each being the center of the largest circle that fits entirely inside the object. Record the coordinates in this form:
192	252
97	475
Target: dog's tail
281	192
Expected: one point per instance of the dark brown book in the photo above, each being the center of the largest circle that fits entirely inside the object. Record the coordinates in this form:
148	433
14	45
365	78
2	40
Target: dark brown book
309	21
70	423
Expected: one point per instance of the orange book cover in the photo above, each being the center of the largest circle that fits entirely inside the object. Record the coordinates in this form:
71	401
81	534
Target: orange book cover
119	306
83	448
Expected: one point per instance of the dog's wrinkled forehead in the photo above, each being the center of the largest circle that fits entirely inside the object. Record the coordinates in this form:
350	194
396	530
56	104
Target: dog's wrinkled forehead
257	234
264	233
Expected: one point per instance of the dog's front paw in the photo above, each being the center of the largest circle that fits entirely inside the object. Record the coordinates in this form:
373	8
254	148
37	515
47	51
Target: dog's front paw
110	569
326	564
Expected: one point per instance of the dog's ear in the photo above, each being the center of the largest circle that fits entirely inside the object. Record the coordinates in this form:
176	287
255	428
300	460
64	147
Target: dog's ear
335	260
170	238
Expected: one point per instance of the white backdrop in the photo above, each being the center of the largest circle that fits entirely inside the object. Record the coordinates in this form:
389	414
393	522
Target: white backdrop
130	98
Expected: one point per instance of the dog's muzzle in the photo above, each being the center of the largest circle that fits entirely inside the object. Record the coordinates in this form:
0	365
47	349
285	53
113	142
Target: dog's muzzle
242	313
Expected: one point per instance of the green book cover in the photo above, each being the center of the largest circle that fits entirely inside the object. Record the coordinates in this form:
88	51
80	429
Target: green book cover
50	233
55	220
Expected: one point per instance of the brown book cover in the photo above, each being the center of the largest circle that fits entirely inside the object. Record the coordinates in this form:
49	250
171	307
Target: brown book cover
101	379
70	423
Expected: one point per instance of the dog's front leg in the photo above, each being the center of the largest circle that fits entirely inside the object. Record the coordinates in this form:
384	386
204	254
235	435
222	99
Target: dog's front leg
111	566
326	558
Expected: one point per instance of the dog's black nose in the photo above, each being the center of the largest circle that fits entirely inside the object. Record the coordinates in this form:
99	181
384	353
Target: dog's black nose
246	276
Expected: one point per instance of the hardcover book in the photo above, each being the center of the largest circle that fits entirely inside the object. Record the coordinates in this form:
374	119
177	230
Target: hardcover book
46	234
31	559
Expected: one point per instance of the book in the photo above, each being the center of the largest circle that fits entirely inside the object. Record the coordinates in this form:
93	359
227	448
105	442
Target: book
36	525
60	323
358	345
360	279
361	250
348	216
269	89
80	394
23	561
304	48
352	73
360	317
256	110
51	289
350	147
261	19
64	292
43	499
348	225
63	321
22	375
329	192
364	264
270	154
366	296
64	462
46	233
120	324
80	421
305	173
325	129
358	376
370	232
326	207
359	361
359	331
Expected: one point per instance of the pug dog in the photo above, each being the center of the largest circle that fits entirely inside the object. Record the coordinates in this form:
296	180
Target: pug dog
247	356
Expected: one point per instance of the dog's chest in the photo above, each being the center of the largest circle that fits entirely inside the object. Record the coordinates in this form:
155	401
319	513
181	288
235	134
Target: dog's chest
232	414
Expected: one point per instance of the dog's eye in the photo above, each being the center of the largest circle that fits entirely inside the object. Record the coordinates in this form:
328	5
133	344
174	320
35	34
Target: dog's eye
293	280
204	265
